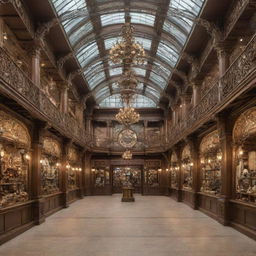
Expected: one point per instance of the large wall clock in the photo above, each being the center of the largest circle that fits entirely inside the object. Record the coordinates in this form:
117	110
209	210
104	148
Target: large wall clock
127	138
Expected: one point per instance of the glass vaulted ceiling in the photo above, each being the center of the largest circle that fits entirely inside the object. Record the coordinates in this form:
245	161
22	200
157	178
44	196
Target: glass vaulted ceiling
93	26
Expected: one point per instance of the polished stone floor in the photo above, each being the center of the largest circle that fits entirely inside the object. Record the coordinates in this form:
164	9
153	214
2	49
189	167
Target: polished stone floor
152	226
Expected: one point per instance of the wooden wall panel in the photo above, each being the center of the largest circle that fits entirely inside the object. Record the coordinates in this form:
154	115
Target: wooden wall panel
243	217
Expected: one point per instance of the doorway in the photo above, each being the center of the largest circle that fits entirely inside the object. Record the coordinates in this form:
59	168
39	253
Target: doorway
127	175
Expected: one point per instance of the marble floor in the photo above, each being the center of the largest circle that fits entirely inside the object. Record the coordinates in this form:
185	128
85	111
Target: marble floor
152	226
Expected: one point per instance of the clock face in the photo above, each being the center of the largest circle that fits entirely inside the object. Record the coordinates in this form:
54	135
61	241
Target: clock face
127	138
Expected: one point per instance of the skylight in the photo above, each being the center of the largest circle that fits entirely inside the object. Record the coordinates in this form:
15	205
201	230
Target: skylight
87	53
140	101
142	18
112	18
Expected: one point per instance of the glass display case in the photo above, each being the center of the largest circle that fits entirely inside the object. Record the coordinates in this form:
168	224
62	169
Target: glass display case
244	137
210	164
152	176
14	160
99	177
50	166
187	168
74	168
174	169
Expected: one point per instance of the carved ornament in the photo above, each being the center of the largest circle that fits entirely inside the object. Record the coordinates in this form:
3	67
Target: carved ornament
14	130
245	126
209	142
51	147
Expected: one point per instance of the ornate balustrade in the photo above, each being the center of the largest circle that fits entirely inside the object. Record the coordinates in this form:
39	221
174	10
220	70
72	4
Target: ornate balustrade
231	84
16	83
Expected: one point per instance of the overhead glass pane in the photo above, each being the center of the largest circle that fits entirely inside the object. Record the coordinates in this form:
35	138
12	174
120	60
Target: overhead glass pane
153	91
146	43
169	28
161	70
115	71
63	6
157	80
115	86
102	92
112	18
110	42
87	53
95	79
192	6
71	24
142	18
140	71
140	101
93	68
167	53
82	31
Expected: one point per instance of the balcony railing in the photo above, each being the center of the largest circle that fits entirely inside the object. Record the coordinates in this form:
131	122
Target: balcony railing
234	81
28	95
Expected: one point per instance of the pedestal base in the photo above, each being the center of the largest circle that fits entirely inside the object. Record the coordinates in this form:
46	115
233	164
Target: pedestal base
128	194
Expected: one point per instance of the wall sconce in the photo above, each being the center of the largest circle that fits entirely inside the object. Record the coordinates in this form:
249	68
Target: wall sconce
68	166
167	170
93	170
5	36
79	169
241	152
41	161
159	170
191	164
58	164
209	161
27	157
2	153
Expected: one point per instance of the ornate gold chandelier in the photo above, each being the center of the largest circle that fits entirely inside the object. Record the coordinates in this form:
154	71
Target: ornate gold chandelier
127	116
127	155
127	84
127	51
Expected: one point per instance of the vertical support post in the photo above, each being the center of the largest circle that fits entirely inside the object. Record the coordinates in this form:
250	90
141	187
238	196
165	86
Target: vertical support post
225	133
35	66
177	150
196	94
194	148
38	208
65	169
64	99
223	59
1	32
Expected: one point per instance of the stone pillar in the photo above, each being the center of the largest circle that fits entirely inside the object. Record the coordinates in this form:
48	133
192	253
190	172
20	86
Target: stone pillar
38	205
88	174
177	150
64	99
185	101
225	133
194	148
196	94
64	171
79	114
1	32
145	129
223	60
35	66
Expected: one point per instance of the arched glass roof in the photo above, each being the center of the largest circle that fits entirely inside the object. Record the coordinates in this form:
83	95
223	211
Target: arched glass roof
140	101
92	27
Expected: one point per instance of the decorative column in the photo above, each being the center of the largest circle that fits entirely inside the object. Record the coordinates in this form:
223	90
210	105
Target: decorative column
177	150
194	149
79	114
38	205
225	133
35	66
185	101
145	122
196	94
64	98
223	59
87	174
64	171
1	32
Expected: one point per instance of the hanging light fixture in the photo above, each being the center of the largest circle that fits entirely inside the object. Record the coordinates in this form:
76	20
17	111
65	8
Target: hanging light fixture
127	116
127	51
